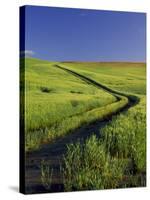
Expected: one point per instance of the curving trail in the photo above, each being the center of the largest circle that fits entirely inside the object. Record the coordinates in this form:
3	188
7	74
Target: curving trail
53	153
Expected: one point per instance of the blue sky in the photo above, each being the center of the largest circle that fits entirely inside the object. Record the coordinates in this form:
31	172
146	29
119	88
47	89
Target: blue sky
59	34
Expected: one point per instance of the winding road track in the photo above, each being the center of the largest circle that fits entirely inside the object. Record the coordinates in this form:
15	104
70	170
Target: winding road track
53	152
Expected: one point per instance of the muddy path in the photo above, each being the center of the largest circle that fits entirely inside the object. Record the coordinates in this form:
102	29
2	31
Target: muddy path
53	152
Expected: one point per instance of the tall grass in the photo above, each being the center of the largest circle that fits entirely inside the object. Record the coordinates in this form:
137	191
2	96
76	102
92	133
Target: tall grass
125	136
52	102
54	107
50	94
88	167
35	139
58	101
125	77
117	159
46	175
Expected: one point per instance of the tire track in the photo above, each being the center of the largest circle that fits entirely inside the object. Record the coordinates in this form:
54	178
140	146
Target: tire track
53	153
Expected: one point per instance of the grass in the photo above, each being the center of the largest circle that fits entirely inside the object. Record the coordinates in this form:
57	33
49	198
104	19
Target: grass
36	138
88	166
125	134
49	95
52	96
61	97
123	140
46	175
125	77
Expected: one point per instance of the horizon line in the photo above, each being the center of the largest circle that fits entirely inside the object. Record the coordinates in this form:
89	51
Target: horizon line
100	61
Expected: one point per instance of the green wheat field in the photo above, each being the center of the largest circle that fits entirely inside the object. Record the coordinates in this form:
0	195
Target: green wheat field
85	125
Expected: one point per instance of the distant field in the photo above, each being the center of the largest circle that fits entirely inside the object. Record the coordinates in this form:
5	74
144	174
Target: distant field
127	77
108	100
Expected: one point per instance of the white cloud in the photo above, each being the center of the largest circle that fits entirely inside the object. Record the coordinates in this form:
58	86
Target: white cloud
27	53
